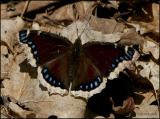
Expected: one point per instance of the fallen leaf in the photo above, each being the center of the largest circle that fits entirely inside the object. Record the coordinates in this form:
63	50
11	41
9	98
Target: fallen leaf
149	46
9	29
147	111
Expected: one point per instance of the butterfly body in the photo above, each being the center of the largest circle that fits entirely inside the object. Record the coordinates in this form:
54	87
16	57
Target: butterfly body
82	69
74	57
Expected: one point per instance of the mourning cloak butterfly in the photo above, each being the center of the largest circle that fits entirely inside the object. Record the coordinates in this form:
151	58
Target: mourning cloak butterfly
81	70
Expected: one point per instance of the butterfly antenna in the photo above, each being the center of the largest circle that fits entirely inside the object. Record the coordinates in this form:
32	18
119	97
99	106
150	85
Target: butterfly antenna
83	29
76	30
86	24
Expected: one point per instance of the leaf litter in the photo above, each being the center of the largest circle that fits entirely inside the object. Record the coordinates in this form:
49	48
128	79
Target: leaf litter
23	95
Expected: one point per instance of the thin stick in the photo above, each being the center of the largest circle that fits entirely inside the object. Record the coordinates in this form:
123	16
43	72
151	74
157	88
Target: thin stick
25	8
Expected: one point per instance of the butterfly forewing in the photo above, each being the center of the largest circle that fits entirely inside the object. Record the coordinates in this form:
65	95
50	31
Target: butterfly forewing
45	46
52	53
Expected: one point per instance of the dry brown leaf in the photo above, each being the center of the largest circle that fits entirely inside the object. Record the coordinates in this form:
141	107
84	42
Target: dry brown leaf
131	37
144	109
106	25
9	29
150	71
147	111
87	33
6	62
21	83
66	14
18	110
149	46
152	26
20	6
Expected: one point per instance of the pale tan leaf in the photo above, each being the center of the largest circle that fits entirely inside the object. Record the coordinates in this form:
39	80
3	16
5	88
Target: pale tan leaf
147	111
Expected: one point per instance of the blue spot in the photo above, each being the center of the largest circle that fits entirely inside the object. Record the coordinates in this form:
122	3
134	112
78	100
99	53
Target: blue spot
91	85
30	42
54	82
35	52
23	35
131	53
59	83
81	87
129	56
50	79
95	83
23	39
46	76
113	65
121	58
33	46
99	79
117	60
86	87
45	70
125	57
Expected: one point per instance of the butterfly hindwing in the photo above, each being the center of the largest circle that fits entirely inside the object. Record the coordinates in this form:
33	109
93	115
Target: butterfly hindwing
88	80
58	69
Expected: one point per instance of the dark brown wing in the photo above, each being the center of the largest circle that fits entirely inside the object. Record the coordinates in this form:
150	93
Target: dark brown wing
52	53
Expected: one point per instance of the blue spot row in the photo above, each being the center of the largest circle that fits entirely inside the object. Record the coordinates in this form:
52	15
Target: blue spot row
33	47
23	36
127	56
28	40
50	79
91	85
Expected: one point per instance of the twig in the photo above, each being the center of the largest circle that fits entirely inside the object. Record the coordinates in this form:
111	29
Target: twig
25	8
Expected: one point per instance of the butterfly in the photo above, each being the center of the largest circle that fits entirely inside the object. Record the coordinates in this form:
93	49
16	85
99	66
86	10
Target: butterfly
79	69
